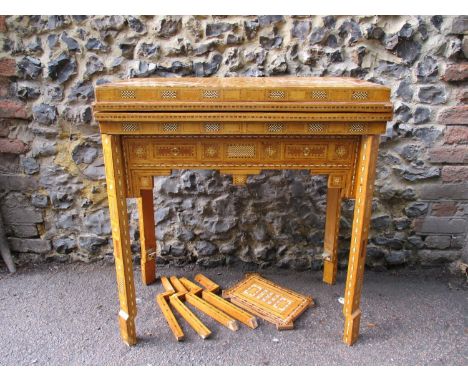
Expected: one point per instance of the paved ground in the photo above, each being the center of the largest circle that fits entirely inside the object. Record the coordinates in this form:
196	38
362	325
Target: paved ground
66	315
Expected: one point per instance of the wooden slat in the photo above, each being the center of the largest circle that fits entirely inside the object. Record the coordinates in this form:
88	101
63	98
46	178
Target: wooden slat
167	284
178	286
211	311
188	315
169	316
192	287
193	298
207	283
231	309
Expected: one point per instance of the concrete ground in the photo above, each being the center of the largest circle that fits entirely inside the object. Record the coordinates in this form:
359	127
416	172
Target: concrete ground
67	315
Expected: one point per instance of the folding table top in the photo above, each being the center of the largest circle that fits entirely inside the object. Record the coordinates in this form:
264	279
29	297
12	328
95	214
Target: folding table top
298	94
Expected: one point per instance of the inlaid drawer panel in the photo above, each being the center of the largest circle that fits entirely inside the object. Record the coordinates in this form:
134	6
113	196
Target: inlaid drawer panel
155	151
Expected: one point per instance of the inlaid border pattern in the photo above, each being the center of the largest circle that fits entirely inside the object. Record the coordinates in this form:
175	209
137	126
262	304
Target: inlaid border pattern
258	94
368	117
240	106
274	128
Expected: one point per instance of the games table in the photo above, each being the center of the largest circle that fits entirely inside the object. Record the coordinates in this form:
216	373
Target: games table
240	126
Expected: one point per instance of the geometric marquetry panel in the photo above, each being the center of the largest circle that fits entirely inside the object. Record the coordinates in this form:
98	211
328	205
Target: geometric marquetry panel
212	151
357	127
271	151
341	152
316	127
174	151
127	94
276	304
210	93
336	180
276	94
319	95
275	127
239	150
168	94
360	95
294	151
141	151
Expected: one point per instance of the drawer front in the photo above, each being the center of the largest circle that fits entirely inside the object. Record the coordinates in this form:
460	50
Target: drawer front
194	152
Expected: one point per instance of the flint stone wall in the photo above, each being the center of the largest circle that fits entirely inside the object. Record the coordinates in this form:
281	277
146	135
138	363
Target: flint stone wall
52	187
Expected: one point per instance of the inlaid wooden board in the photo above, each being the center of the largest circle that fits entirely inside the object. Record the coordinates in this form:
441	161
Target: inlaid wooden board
155	151
273	93
274	303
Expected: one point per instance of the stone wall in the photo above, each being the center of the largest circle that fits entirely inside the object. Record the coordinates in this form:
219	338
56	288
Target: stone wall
52	189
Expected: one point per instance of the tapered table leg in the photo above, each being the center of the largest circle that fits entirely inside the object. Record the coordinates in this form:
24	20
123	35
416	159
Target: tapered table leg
115	178
147	236
357	256
332	226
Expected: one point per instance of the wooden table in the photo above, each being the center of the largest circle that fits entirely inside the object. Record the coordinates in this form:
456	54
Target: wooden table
240	126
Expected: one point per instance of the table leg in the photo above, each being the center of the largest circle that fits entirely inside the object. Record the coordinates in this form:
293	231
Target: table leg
332	226
147	236
115	178
357	256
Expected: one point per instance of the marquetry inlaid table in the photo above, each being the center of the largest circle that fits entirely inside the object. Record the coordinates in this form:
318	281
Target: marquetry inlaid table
240	126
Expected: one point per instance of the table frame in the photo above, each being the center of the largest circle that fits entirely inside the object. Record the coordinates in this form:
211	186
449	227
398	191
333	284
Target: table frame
355	180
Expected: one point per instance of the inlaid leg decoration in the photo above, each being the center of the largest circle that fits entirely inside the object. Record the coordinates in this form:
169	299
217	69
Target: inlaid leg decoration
147	236
360	230
116	187
332	226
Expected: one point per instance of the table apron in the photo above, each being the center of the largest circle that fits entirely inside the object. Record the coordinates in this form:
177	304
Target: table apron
153	155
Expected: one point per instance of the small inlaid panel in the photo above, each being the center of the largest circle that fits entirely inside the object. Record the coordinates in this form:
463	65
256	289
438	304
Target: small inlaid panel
239	150
295	151
276	304
212	151
176	150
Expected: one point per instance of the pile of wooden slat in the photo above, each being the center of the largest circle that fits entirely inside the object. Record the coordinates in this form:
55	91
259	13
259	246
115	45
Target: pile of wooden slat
205	299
